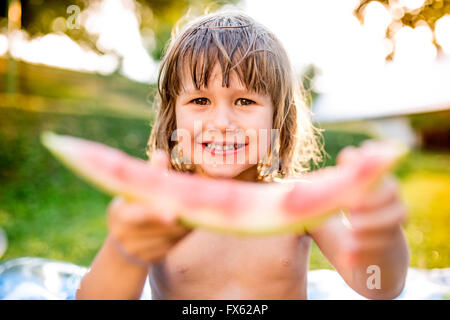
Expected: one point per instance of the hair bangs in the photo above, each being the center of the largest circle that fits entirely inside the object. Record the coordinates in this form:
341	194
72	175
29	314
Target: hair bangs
235	49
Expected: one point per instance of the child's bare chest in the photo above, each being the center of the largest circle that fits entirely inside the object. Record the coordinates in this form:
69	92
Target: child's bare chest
214	266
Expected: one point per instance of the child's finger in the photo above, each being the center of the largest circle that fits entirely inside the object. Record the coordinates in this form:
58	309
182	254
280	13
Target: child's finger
160	159
357	251
378	220
346	155
385	192
357	244
133	212
352	153
370	144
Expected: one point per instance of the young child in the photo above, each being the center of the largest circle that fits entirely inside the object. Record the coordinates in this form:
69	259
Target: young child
222	75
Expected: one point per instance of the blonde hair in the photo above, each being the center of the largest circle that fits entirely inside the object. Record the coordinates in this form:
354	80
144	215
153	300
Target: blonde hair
239	44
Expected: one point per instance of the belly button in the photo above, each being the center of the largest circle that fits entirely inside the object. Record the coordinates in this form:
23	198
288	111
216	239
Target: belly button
286	262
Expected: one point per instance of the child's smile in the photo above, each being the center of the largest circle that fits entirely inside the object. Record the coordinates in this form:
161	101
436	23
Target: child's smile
223	148
223	131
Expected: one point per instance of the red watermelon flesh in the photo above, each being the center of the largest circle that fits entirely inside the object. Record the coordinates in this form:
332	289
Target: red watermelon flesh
225	204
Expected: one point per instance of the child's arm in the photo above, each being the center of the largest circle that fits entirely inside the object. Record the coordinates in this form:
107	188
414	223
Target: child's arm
370	244
112	276
137	238
135	241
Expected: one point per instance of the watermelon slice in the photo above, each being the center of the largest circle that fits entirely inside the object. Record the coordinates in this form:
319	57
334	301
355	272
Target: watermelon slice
224	204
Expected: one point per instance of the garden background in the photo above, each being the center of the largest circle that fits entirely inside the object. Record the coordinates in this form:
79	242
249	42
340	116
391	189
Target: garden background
48	212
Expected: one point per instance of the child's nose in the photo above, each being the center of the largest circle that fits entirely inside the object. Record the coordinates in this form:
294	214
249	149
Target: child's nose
223	119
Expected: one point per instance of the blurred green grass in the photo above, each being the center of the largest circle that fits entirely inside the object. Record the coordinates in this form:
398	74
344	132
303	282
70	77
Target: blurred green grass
45	210
48	212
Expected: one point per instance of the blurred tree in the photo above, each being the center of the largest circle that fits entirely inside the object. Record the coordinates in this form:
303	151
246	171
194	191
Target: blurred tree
161	15
156	16
3	9
427	14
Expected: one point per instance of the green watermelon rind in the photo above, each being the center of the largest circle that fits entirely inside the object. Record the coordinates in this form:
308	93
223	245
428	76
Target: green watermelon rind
295	228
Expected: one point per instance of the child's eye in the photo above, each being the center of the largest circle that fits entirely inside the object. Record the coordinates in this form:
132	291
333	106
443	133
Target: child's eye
244	102
200	101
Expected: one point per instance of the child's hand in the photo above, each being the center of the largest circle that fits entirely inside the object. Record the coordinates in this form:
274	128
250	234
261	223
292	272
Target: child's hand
375	221
140	234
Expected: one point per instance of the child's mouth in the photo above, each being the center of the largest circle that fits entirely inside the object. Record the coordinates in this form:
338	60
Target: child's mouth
223	149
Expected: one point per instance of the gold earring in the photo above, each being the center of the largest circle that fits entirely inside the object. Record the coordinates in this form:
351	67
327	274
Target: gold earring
177	160
260	168
268	168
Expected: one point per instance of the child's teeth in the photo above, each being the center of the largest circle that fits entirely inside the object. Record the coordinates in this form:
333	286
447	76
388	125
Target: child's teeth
223	147
220	147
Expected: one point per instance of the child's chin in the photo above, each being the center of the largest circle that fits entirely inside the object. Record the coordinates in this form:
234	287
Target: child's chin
223	171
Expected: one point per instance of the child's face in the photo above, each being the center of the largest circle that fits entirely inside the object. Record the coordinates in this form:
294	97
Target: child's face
223	131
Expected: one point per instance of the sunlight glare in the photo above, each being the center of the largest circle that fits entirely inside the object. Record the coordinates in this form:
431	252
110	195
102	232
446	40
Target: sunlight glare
117	27
415	45
3	45
411	4
376	19
442	32
60	51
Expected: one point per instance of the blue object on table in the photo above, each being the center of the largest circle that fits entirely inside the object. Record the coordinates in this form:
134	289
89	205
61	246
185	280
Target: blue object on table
38	278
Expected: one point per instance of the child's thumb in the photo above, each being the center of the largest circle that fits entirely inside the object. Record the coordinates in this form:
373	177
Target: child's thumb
160	159
346	155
